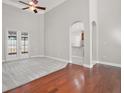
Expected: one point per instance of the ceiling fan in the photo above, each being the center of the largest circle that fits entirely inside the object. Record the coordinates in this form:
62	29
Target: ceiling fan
32	5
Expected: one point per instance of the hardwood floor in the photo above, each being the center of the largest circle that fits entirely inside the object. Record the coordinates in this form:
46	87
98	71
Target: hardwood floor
76	79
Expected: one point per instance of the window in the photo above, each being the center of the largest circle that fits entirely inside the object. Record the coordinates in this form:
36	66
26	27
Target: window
12	43
24	42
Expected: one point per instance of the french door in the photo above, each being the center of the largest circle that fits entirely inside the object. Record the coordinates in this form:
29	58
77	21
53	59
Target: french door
17	45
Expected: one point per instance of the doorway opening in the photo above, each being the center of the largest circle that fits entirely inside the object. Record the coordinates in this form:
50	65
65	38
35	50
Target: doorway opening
77	43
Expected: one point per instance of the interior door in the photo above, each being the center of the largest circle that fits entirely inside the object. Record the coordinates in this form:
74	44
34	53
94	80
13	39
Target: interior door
24	45
12	45
17	45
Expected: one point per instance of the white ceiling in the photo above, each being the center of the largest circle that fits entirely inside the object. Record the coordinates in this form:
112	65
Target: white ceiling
49	4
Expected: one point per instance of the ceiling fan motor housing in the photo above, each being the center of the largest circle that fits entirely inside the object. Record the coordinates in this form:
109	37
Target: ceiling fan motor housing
35	1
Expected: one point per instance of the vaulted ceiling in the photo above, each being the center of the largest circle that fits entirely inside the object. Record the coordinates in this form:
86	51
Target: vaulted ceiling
49	4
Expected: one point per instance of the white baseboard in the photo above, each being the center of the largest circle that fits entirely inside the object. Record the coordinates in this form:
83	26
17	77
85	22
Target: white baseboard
37	56
59	59
70	61
106	63
109	63
88	66
23	58
94	62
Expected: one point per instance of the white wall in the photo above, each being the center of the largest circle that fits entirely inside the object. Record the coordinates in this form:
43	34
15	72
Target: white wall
110	31
57	24
17	19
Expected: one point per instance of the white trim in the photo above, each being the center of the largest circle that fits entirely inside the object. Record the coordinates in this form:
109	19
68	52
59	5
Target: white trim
91	65
70	61
13	59
59	59
70	47
91	46
109	63
37	56
94	61
106	63
88	66
70	36
23	58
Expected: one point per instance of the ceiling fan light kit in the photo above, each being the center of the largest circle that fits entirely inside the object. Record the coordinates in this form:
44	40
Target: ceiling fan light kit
32	8
32	5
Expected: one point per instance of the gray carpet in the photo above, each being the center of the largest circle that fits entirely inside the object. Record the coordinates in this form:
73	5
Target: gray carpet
16	73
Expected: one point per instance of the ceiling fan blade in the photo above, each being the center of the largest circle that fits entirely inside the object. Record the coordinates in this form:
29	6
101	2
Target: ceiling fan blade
35	11
24	3
43	8
25	8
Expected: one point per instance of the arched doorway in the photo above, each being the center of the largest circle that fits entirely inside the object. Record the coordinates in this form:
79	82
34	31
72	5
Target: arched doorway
77	42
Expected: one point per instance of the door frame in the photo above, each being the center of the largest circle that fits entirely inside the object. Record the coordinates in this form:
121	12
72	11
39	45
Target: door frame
23	56
70	40
19	55
11	57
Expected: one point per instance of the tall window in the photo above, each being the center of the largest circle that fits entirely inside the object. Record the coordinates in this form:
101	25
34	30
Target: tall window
24	42
12	43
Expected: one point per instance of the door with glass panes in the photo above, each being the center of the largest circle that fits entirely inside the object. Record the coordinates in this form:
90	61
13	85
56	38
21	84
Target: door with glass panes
17	45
